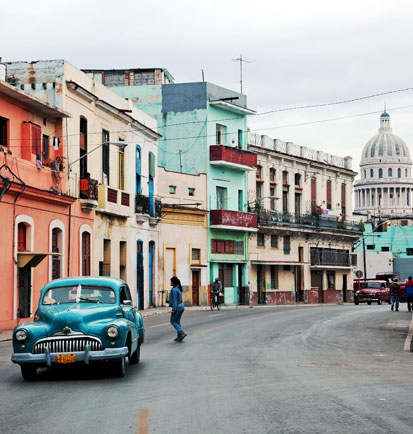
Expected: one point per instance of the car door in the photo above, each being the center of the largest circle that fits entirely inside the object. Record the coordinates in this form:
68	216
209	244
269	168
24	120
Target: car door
129	311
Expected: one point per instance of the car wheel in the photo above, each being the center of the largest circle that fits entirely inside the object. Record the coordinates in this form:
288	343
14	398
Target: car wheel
118	367
379	300
356	303
29	372
135	357
369	302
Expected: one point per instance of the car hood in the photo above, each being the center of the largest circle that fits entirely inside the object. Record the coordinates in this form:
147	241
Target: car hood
368	290
76	316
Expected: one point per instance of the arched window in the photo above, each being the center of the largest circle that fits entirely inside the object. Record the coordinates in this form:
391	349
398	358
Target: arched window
371	173
390	172
399	172
364	173
56	245
83	147
380	173
85	250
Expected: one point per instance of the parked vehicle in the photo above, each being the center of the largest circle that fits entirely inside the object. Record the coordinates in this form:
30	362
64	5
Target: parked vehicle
80	320
371	290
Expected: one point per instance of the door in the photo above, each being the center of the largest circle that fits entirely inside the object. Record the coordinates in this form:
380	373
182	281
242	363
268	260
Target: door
299	293
260	284
317	282
195	288
344	288
25	290
139	274
151	201
151	268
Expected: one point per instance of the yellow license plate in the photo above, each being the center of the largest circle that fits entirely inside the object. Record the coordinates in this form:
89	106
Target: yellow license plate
364	299
66	358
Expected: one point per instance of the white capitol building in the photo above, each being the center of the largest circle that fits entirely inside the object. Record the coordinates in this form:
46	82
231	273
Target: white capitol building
385	185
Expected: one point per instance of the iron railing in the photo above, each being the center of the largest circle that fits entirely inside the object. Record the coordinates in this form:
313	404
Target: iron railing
143	206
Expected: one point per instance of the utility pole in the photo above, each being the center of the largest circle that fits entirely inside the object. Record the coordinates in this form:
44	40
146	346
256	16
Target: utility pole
240	60
364	259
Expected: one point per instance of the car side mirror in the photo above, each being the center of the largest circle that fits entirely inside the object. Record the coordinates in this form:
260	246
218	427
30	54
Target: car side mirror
127	302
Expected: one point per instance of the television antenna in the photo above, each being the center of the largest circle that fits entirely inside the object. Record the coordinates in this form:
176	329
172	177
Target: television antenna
241	61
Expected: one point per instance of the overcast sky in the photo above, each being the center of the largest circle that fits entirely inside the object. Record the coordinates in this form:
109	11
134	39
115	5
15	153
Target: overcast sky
301	52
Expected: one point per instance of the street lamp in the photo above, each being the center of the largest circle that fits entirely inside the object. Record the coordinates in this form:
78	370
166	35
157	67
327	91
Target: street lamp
119	144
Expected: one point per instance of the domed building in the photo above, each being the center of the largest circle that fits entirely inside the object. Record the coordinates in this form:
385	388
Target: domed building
385	185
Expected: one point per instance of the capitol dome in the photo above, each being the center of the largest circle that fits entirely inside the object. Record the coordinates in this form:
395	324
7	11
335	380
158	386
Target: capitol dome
385	186
385	147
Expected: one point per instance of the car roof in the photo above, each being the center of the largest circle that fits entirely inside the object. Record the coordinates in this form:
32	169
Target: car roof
112	282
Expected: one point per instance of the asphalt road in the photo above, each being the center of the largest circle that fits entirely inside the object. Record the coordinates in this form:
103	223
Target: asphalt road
304	369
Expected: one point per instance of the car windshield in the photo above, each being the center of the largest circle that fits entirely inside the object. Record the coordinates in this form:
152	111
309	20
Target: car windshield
79	294
373	285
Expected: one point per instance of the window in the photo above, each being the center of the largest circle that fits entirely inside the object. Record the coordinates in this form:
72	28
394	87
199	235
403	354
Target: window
105	155
371	173
409	251
240	200
313	194
221	133
151	165
191	191
138	169
260	240
371	246
36	139
172	189
272	175
405	173
285	177
331	280
385	249
343	199
3	132
399	172
329	194
239	247
85	241
380	173
196	256
83	147
287	247
106	258
221	198
45	149
121	169
258	173
21	237
390	172
228	275
274	241
274	276
297	180
272	201
240	139
228	247
364	173
56	248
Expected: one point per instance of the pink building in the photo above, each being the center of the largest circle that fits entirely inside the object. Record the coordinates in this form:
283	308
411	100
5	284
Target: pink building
44	233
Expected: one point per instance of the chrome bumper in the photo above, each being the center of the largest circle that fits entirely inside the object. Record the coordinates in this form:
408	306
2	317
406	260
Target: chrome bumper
82	356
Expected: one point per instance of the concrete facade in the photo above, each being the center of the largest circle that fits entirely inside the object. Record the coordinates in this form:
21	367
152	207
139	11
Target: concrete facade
100	119
302	251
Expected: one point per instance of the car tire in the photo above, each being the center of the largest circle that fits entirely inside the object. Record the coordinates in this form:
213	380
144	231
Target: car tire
379	300
118	367
369	303
135	357
29	372
356	303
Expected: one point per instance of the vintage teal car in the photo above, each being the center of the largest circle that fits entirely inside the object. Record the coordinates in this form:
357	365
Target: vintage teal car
80	319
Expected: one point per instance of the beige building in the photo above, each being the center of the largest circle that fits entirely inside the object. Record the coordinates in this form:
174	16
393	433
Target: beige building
183	233
302	250
104	173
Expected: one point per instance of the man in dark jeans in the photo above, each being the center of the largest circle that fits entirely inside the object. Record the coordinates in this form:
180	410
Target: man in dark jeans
409	293
395	292
216	288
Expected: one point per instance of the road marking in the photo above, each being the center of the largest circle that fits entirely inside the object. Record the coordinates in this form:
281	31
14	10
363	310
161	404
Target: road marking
217	314
143	421
409	337
159	325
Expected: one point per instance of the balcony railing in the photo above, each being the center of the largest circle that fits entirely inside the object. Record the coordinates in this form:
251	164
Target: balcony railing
330	257
232	157
267	217
225	217
88	193
143	206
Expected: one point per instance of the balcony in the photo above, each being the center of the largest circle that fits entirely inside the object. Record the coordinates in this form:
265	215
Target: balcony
267	217
88	194
321	257
145	210
234	158
233	220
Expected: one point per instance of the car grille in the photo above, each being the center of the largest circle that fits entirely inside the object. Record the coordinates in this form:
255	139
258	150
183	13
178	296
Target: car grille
67	345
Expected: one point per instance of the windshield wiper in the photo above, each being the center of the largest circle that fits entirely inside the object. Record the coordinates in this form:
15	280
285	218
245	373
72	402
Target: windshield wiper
88	299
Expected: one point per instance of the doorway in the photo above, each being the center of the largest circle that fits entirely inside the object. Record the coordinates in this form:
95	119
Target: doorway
25	289
139	274
260	284
317	282
344	288
195	288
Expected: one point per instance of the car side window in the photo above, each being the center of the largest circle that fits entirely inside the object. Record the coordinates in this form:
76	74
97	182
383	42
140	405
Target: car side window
122	295
128	294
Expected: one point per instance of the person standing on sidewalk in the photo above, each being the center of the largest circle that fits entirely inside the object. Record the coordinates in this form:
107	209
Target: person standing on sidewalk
395	294
175	301
409	293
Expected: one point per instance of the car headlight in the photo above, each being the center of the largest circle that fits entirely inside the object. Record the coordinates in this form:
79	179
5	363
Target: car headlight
21	335
373	294
113	331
